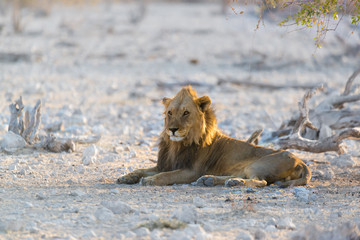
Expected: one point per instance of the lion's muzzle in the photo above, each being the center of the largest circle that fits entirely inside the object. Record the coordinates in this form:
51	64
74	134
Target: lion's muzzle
174	135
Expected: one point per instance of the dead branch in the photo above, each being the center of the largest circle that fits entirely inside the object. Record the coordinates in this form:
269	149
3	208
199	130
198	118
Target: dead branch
350	81
181	84
248	83
254	138
303	120
32	125
328	144
16	126
320	137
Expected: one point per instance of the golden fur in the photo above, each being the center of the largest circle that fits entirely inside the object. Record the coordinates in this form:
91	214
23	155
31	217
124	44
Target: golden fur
192	148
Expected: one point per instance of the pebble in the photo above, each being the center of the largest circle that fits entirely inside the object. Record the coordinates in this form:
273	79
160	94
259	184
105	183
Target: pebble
11	225
28	205
250	190
270	228
186	213
13	167
192	231
328	174
301	193
335	215
12	142
77	193
103	214
142	232
285	223
130	235
80	169
132	154
199	202
114	191
40	196
347	230
118	207
89	235
90	155
98	129
156	235
260	234
26	170
244	235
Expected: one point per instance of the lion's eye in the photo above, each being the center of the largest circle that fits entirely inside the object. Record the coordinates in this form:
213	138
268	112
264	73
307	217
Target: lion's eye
186	113
169	113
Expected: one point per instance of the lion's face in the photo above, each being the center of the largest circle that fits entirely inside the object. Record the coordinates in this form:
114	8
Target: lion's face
184	116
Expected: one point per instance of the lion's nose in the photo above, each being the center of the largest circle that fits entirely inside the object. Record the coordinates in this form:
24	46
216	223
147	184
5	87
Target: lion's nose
173	130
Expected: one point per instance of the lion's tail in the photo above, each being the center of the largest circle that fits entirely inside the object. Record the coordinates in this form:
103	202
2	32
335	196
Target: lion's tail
304	177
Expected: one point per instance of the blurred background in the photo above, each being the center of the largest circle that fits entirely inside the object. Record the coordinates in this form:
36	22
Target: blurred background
109	59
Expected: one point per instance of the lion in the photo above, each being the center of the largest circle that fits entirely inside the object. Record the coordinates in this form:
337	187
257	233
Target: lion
193	149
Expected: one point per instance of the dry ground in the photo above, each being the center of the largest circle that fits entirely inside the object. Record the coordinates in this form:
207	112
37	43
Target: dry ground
100	72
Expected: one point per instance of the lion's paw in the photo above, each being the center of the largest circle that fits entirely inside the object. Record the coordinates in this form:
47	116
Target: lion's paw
128	179
147	181
208	181
232	182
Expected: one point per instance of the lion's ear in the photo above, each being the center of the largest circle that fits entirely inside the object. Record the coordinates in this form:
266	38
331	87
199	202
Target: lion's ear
166	101
204	103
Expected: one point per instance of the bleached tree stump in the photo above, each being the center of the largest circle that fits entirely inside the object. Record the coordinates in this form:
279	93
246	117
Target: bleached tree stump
28	128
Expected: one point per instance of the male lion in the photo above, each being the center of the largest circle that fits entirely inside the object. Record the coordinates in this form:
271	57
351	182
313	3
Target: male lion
192	148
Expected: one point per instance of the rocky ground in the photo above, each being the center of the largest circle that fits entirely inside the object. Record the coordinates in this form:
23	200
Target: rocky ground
101	70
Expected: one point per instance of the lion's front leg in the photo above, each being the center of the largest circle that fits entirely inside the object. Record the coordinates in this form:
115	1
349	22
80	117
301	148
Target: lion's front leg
180	176
135	176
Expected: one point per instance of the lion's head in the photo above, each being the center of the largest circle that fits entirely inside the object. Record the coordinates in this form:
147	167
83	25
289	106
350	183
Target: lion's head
189	119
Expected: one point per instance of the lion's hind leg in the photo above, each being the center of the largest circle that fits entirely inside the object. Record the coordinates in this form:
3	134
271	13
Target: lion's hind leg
232	182
211	180
229	181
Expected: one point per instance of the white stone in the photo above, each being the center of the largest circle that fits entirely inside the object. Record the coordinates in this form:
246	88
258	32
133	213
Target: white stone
90	154
80	169
103	214
344	161
328	174
244	235
89	160
12	142
155	235
199	202
118	207
132	154
197	232
40	196
13	167
142	232
286	223
301	193
260	234
98	129
28	205
77	193
130	235
114	191
270	228
89	235
186	213
11	225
